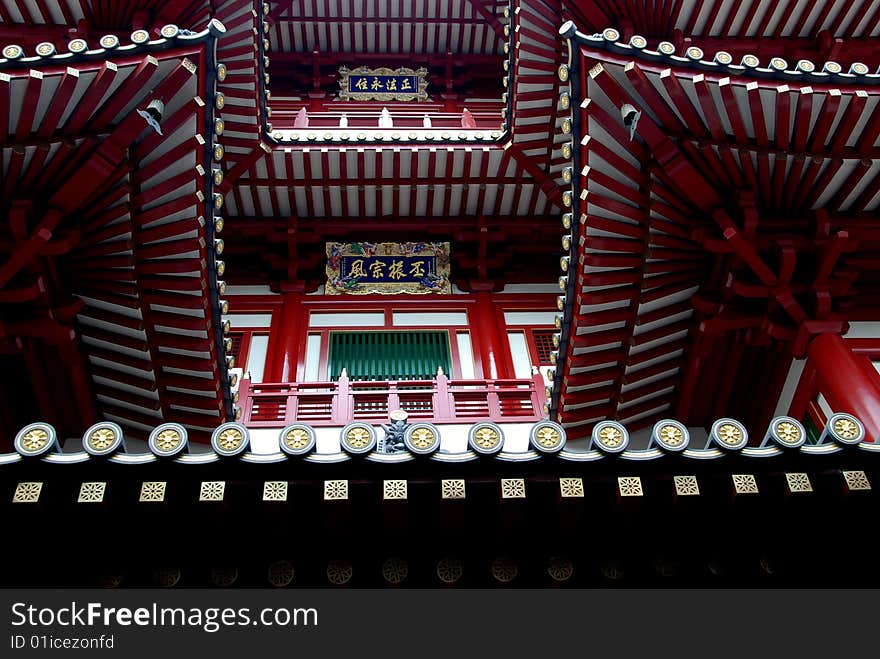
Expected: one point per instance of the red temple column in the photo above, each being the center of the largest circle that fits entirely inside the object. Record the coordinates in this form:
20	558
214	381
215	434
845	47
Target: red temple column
848	381
290	332
490	342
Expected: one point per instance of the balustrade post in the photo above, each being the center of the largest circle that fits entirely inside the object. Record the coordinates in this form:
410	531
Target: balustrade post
291	404
393	397
344	404
492	400
245	398
444	408
538	396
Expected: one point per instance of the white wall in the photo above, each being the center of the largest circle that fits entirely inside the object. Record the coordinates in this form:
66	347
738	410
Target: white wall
465	356
530	317
239	320
256	362
313	359
429	319
353	320
519	352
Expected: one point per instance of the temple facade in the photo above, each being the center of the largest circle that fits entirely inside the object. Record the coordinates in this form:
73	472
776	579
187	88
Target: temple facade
439	292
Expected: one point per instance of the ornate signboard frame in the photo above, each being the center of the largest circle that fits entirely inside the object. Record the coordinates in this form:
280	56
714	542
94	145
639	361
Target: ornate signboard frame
387	268
366	84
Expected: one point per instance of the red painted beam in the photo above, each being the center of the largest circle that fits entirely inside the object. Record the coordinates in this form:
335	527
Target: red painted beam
547	184
848	381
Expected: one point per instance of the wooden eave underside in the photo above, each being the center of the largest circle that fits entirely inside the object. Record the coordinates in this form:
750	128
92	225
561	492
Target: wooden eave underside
388	26
440	180
134	249
656	221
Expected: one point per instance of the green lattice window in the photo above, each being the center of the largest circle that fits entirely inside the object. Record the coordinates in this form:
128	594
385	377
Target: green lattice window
414	355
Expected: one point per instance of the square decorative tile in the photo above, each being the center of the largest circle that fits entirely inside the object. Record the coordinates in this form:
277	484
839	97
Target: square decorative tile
798	482
856	481
513	488
686	486
275	491
630	486
335	490
27	492
393	489
571	488
152	491
212	490
744	483
452	488
92	492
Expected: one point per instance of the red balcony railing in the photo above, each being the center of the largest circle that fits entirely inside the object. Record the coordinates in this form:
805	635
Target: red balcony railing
365	117
439	401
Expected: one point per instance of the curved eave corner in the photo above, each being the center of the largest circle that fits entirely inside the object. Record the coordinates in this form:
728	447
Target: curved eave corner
571	199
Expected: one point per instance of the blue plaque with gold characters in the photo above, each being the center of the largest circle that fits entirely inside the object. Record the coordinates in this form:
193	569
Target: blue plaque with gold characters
363	268
365	84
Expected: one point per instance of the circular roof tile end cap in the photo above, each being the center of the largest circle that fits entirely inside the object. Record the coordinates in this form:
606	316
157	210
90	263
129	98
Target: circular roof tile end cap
786	431
358	438
422	438
216	27
103	438
486	438
568	29
729	434
169	31
610	34
843	428
610	437
547	437
168	440
36	439
230	439
297	439
671	435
